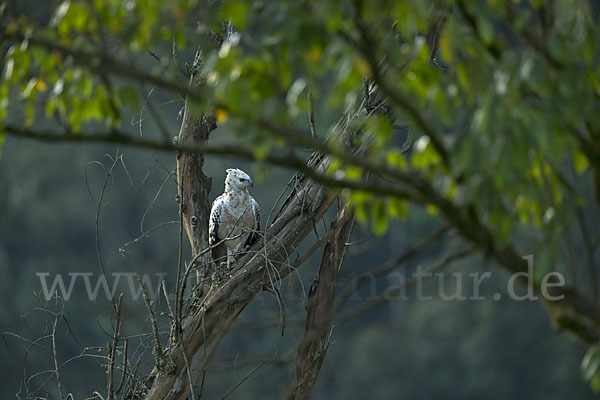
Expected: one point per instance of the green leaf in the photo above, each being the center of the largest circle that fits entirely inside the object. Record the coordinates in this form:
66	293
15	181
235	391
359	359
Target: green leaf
397	207
261	150
292	96
556	45
381	128
380	219
4	99
236	11
75	18
432	210
29	113
129	97
2	137
60	13
353	173
396	159
9	68
580	161
589	367
486	30
361	200
424	155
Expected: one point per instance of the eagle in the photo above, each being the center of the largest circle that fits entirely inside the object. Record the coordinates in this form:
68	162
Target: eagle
234	218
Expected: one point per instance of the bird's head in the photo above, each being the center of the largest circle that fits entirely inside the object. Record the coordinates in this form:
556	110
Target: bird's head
237	180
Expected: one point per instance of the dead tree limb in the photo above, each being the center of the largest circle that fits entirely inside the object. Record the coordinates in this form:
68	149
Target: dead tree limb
193	186
320	306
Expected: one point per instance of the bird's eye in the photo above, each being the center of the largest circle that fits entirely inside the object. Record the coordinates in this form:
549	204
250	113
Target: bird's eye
242	180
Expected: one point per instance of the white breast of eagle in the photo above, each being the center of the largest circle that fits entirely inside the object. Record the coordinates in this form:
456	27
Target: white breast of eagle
234	217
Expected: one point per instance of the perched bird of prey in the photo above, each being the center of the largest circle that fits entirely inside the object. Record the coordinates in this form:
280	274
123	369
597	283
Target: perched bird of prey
234	218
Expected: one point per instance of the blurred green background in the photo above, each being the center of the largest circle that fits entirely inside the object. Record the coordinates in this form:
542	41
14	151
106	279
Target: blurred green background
402	349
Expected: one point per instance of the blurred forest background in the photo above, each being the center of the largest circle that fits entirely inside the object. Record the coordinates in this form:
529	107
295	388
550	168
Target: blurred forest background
493	349
402	349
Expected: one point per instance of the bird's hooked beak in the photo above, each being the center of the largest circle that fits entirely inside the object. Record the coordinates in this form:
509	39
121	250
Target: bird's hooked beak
251	183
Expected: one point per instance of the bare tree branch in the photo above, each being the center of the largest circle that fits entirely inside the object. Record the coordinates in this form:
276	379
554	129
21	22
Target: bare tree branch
55	355
113	348
320	306
158	350
389	266
398	291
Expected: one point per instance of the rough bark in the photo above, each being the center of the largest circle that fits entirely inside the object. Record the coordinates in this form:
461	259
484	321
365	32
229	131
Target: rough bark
320	307
193	185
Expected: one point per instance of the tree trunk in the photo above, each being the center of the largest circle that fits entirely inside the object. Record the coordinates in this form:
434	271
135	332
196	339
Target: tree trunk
194	186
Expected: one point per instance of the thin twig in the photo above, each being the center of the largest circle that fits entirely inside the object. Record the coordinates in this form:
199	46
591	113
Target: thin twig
124	375
108	173
389	265
248	375
392	295
159	354
311	116
54	352
113	348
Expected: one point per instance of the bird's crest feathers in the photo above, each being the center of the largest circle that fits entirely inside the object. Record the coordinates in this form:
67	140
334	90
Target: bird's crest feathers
237	180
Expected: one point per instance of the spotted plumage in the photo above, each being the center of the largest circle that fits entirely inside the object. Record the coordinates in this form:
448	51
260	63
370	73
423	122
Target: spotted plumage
235	217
